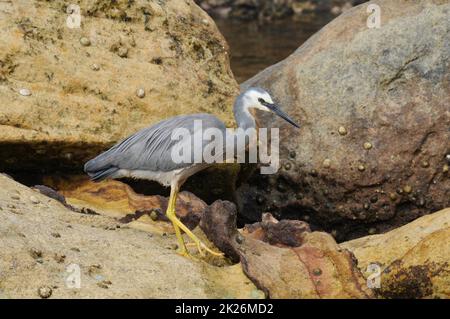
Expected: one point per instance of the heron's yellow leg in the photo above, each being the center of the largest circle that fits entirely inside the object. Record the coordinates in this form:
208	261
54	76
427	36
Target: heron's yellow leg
177	224
170	213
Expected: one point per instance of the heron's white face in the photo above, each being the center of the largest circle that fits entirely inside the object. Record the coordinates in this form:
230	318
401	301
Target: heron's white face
257	98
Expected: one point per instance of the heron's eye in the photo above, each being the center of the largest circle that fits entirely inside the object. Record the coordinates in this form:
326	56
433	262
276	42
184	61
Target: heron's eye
261	100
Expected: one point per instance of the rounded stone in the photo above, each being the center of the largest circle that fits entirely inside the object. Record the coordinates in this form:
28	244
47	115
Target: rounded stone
95	67
393	196
122	52
34	200
45	292
287	166
24	92
327	163
85	42
445	168
154	215
361	168
342	130
407	189
317	271
425	164
367	145
140	93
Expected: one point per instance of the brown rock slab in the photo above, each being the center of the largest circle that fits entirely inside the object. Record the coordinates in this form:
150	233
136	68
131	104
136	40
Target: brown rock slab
117	199
414	259
318	268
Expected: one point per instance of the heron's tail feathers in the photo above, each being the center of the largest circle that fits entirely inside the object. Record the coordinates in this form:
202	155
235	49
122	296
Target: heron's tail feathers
98	173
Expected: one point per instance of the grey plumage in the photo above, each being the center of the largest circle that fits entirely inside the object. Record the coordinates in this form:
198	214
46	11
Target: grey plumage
148	149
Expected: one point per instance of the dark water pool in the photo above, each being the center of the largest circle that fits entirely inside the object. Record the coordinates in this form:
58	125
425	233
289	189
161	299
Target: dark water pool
256	45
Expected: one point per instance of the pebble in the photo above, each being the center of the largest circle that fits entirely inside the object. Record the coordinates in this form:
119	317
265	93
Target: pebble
35	253
367	145
292	154
154	215
85	42
239	238
326	163
140	93
45	292
407	189
317	272
393	196
34	200
122	52
342	130
447	157
372	231
24	92
425	164
287	166
445	168
95	67
15	197
361	168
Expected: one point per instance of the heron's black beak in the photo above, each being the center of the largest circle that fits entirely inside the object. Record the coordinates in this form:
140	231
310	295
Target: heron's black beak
276	109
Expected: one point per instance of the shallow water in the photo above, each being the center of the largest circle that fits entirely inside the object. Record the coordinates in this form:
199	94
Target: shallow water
256	45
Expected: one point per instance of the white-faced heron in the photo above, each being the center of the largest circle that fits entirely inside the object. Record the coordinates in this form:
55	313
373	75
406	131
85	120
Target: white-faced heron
148	153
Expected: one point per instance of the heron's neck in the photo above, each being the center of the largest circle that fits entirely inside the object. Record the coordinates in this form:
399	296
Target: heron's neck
242	115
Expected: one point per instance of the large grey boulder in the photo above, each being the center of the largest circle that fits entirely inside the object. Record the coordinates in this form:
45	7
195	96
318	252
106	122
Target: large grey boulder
374	107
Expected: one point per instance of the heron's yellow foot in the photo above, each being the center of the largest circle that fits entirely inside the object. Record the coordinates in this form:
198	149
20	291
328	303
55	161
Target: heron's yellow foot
178	226
200	245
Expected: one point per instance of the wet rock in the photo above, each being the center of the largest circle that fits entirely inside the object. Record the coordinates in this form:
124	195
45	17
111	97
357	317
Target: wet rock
219	224
385	110
75	113
285	232
414	259
282	271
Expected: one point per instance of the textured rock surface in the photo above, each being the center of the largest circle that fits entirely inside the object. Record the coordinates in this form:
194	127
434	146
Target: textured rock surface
314	267
374	105
118	200
40	239
414	259
67	93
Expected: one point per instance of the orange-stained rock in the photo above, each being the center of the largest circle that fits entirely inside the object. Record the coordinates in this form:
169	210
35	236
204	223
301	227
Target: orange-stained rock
317	268
414	259
117	199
